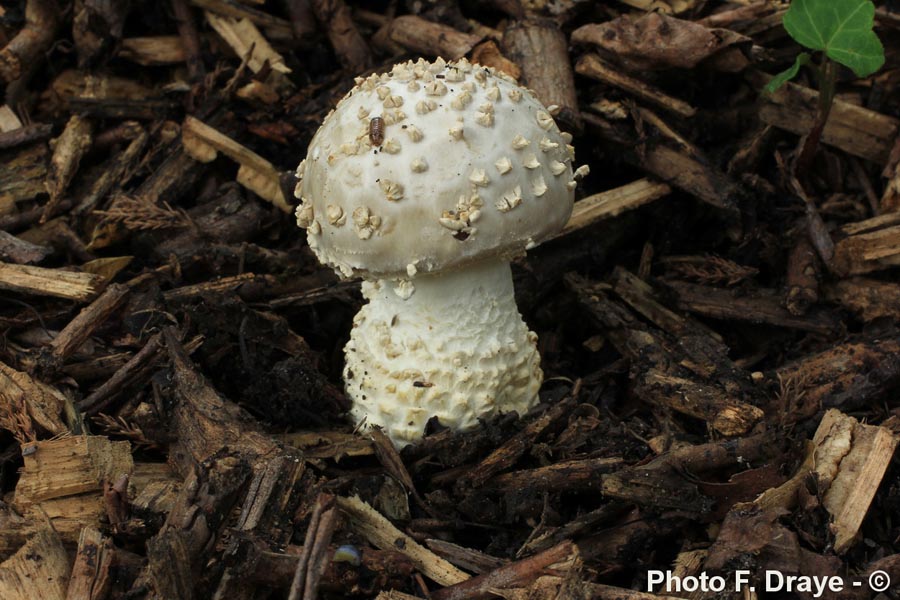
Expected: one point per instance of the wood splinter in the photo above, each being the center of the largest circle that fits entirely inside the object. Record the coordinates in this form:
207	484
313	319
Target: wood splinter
71	146
258	175
91	577
246	40
69	285
381	533
614	202
315	555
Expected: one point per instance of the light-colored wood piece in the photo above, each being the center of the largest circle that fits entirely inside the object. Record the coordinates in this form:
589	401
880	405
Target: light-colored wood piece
69	285
147	474
40	569
155	486
854	129
381	533
108	266
243	37
613	203
79	330
868	299
648	116
264	184
259	92
274	25
69	515
8	119
76	84
784	496
90	573
68	150
69	466
875	247
153	51
44	404
690	564
202	143
852	458
849	460
872	224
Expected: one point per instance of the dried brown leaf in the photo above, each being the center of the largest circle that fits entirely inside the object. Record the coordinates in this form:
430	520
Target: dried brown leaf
656	41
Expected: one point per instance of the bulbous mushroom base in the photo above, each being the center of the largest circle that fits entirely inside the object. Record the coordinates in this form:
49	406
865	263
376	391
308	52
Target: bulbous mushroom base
456	349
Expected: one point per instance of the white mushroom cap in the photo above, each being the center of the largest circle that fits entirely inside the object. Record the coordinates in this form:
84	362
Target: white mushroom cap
463	165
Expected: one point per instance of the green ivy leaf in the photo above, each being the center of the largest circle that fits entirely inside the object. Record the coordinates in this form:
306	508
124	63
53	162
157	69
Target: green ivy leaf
789	73
840	28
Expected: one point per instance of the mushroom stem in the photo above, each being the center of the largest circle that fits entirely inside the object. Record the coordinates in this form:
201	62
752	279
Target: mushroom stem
456	349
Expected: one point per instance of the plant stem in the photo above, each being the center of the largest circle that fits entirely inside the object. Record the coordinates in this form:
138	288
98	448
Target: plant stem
827	75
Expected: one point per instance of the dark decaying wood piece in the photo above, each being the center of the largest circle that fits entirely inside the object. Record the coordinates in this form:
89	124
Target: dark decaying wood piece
845	376
760	306
693	175
22	54
190	41
137	367
683	368
343	34
512	575
19	251
383	569
540	48
176	555
802	278
419	35
24	135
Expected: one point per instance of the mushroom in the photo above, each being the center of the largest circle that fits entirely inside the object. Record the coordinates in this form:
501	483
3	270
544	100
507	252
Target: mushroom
425	182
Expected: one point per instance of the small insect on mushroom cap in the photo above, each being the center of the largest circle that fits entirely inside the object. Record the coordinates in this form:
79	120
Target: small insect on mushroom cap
465	128
376	131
